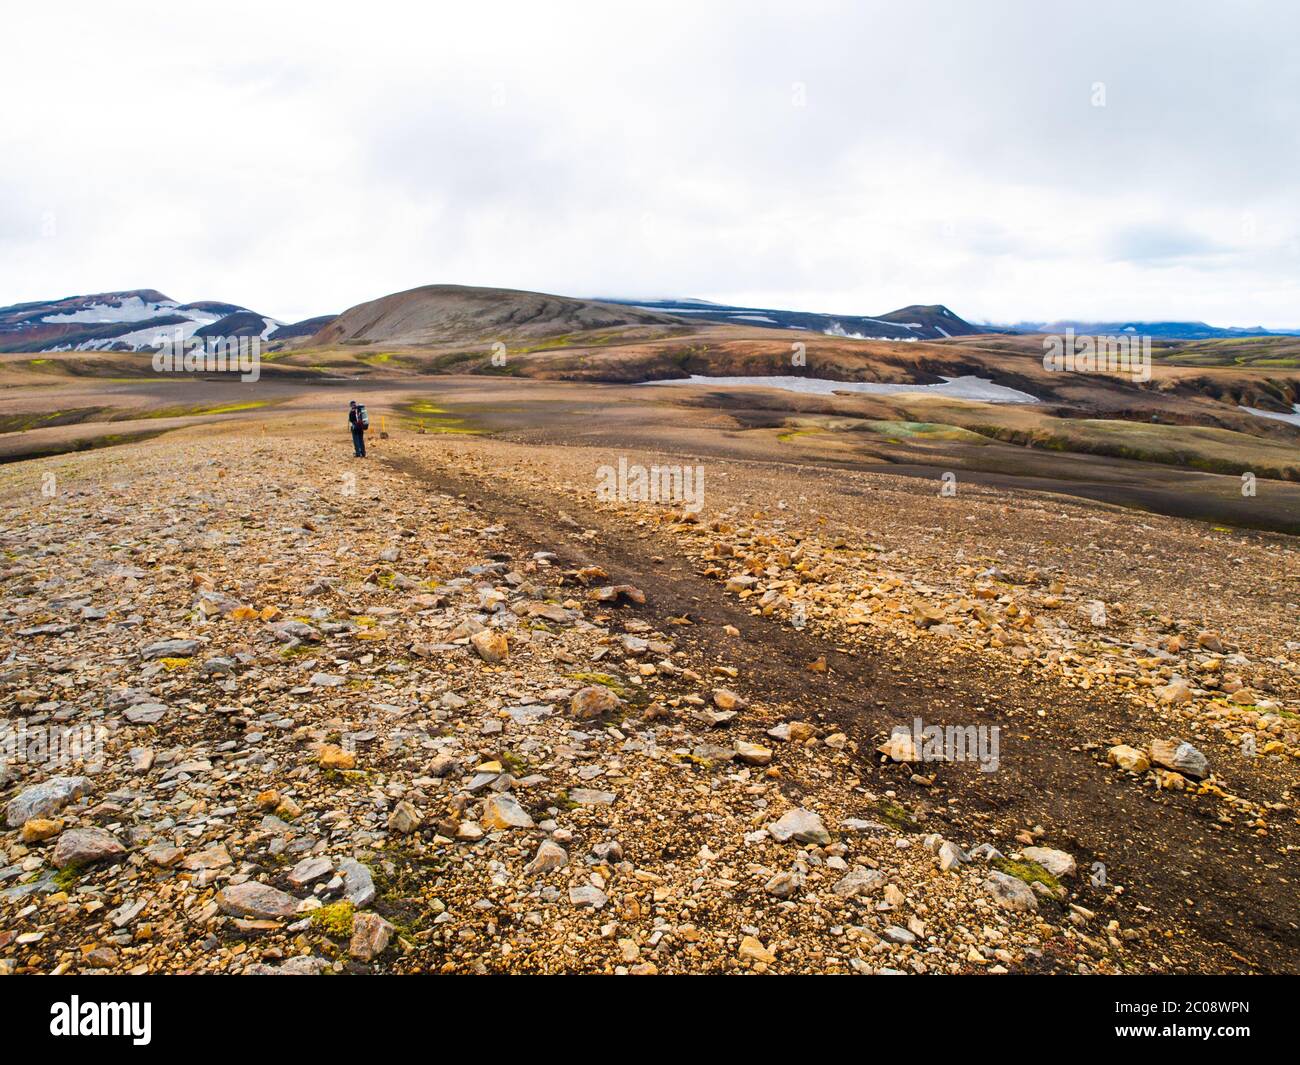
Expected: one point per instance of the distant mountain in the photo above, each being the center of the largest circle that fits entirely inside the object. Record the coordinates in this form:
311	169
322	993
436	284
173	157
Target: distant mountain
123	321
932	322
305	328
442	314
1155	330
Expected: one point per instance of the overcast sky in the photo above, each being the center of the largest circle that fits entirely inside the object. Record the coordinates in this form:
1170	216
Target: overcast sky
848	158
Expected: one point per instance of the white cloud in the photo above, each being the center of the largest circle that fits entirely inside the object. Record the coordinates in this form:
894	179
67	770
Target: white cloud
840	157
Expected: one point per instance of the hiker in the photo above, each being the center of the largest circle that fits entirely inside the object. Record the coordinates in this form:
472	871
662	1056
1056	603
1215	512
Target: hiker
359	422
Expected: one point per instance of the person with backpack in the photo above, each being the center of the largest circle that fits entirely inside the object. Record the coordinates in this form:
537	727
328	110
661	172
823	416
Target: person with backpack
358	422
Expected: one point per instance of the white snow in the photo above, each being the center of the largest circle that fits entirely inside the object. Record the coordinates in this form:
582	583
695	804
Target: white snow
968	387
147	337
837	330
132	309
753	318
677	310
1293	418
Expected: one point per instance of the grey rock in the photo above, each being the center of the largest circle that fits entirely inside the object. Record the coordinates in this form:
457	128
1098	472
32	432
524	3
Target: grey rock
145	713
443	765
504	811
611	851
142	759
260	901
784	885
82	846
1058	863
589	797
588	895
170	649
858	881
217	667
303	965
308	870
43	799
593	701
371	935
549	856
404	819
1009	892
800	825
288	631
1190	762
358	884
858	824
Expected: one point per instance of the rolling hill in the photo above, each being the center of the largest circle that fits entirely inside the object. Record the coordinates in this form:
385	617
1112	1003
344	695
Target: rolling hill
442	314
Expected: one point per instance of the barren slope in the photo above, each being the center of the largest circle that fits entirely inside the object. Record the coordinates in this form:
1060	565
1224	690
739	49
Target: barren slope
441	314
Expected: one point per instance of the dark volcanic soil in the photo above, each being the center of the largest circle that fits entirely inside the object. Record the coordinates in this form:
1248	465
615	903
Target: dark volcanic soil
1211	896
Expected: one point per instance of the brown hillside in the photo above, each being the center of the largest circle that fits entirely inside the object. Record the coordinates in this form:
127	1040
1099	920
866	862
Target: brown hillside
440	314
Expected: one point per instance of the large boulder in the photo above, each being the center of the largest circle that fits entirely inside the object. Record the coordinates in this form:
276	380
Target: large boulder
593	701
800	825
259	901
1058	863
1181	757
1010	892
43	799
82	846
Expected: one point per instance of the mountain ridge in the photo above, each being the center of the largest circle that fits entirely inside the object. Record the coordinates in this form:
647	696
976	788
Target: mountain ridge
913	322
125	320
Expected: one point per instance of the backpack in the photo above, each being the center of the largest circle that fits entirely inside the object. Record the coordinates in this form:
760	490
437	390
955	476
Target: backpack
363	417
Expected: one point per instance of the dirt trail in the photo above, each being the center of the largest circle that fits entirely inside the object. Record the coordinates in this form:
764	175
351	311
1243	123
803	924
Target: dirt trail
1212	896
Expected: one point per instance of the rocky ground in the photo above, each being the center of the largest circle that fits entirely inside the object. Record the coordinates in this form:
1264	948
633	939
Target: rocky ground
445	710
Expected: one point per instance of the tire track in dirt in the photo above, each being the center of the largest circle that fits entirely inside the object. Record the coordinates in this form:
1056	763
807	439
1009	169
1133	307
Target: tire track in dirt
1211	897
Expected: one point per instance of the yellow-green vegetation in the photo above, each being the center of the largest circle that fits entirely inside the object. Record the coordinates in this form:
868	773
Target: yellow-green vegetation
232	408
377	358
604	679
189	411
17	423
892	814
1268	351
515	764
447	425
790	435
923	431
334	920
424	416
1198	447
1029	872
20	423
